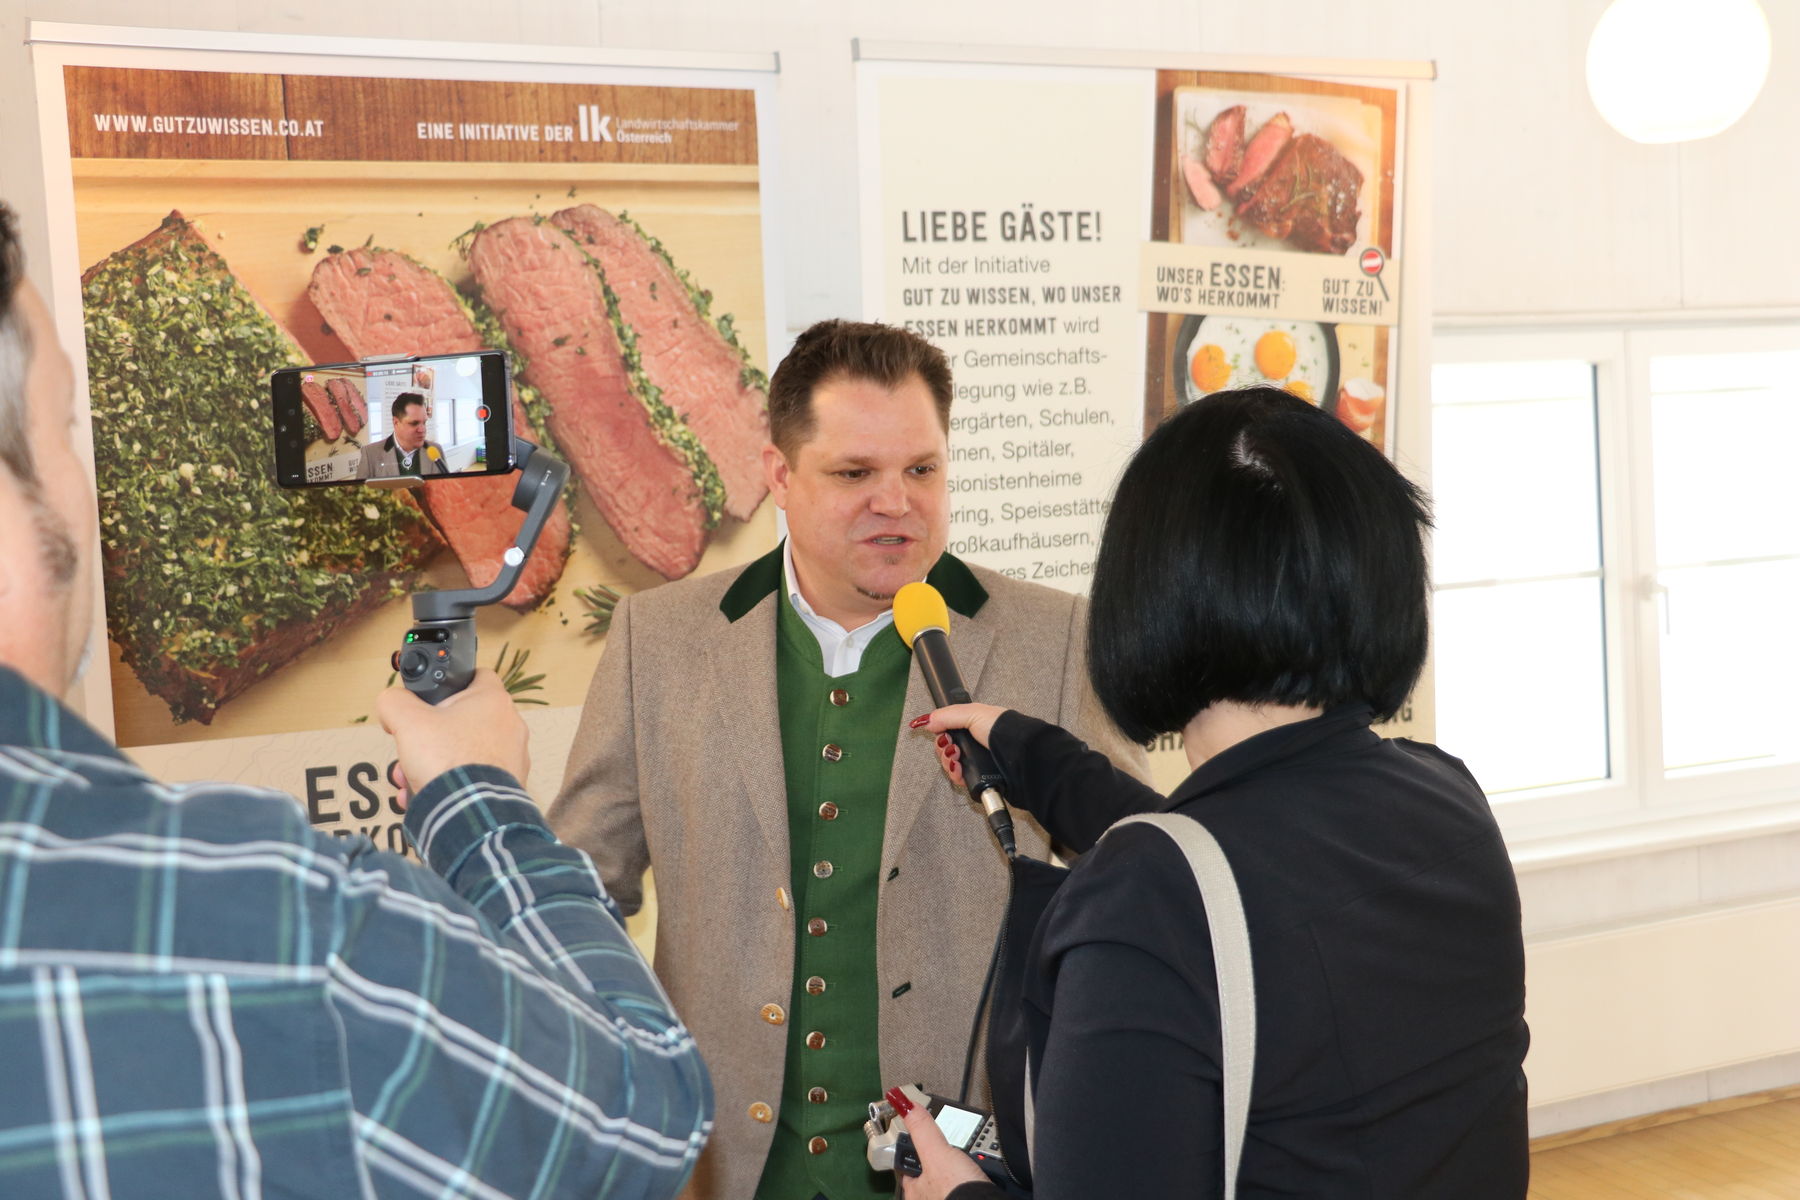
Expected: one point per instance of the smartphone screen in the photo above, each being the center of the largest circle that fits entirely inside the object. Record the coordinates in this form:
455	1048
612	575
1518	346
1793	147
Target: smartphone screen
437	416
960	1125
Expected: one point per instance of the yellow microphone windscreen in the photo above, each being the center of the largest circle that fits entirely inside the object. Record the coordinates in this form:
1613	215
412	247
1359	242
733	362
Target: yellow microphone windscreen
918	607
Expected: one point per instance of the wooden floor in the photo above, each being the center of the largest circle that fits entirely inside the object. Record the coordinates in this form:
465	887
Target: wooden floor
1748	1153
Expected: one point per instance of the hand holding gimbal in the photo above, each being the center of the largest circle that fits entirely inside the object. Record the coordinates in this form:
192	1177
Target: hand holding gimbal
437	658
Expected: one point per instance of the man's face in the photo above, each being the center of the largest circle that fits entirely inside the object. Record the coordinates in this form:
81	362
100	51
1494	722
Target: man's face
866	498
49	601
409	430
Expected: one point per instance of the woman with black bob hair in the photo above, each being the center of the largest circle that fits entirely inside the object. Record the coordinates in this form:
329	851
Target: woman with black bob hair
1261	589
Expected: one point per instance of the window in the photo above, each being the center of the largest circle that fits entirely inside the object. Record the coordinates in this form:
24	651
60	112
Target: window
1724	433
1516	572
1616	556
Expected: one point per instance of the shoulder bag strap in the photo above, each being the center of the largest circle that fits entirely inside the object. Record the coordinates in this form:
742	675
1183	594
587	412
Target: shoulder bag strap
1237	984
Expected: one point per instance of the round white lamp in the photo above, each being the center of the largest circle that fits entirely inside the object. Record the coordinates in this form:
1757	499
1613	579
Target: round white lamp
1677	70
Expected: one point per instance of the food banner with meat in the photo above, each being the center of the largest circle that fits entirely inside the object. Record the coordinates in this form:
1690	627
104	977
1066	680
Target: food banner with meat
237	212
1273	251
1097	238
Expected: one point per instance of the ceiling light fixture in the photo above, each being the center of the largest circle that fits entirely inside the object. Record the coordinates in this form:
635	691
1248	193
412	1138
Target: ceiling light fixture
1677	70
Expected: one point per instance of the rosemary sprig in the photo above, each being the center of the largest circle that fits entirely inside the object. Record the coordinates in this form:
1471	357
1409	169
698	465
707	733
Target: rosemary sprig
599	601
512	674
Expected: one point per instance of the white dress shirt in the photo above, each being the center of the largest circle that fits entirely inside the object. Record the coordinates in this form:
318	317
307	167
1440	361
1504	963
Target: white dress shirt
842	649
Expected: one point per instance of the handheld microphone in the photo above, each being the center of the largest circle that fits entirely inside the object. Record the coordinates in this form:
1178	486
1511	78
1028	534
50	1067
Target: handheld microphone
923	622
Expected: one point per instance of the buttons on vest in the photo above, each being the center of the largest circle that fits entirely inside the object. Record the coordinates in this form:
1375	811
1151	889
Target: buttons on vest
839	738
761	1112
774	1014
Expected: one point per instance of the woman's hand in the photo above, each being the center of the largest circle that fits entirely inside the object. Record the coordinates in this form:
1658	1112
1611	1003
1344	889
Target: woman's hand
978	719
945	1168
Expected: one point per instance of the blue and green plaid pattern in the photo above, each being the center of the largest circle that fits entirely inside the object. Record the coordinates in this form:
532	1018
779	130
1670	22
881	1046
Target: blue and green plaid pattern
200	996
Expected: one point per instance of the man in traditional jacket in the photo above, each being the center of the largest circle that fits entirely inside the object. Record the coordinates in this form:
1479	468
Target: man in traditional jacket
405	451
826	902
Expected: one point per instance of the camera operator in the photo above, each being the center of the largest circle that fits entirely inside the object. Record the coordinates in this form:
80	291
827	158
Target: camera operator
199	995
1261	587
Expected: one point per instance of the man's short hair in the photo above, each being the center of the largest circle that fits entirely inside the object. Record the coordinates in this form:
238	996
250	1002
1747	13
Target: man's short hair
835	350
15	359
405	400
1257	551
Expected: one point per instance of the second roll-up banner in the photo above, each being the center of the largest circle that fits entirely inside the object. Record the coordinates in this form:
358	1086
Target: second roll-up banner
1098	238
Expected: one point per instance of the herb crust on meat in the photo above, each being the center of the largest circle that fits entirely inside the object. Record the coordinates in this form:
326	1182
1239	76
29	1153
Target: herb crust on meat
216	576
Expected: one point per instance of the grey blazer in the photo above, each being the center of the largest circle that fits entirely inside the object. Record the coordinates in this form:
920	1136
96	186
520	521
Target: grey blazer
676	765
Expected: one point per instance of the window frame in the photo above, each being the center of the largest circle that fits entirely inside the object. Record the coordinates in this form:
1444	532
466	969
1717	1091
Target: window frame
1729	786
1598	801
1640	803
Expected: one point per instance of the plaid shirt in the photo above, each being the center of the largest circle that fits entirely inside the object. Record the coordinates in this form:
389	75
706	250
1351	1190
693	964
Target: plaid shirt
200	996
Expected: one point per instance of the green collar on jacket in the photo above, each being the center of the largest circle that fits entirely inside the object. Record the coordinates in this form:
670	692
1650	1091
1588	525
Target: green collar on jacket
951	577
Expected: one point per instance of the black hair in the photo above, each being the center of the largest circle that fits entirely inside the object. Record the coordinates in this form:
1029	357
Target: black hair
1257	551
829	351
405	400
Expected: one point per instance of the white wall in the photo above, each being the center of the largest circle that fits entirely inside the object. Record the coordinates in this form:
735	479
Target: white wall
1540	209
1541	214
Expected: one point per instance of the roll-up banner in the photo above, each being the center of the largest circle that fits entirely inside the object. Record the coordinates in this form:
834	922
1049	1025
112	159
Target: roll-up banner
227	205
1096	239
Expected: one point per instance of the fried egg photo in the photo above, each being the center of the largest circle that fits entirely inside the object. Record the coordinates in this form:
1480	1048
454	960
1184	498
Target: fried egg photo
1228	352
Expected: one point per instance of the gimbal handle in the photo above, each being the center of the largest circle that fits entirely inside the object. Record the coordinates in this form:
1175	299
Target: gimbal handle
541	480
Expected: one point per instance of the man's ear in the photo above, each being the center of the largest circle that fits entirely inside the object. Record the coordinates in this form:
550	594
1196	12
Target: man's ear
776	472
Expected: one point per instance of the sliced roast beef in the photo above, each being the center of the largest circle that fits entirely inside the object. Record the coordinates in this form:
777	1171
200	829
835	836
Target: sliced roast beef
318	403
1200	185
347	398
382	302
702	376
1308	197
1225	145
635	457
1261	151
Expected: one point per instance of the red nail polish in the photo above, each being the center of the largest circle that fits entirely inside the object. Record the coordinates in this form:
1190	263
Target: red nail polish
919	722
899	1100
943	739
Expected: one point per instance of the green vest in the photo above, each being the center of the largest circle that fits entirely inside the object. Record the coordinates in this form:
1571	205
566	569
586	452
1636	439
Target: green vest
837	747
866	727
